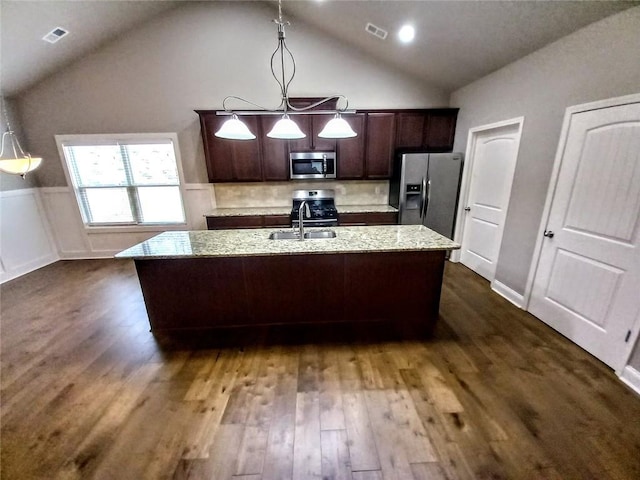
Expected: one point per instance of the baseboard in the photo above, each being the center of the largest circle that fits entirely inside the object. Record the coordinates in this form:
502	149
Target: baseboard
506	292
28	267
631	377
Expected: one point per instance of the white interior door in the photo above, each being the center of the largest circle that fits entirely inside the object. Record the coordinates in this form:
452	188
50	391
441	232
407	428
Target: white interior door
492	161
587	284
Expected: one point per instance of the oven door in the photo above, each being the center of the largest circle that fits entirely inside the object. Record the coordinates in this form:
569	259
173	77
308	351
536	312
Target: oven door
312	165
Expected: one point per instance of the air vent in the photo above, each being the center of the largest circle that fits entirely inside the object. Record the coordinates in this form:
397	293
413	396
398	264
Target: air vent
54	35
377	31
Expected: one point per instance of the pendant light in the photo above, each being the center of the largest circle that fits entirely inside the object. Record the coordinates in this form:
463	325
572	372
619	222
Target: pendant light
235	129
337	127
285	128
13	159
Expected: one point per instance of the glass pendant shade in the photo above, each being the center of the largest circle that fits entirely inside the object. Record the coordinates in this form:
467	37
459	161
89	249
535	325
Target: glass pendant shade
19	166
286	129
337	127
234	129
13	159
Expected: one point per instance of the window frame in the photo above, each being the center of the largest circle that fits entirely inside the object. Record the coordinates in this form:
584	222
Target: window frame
114	139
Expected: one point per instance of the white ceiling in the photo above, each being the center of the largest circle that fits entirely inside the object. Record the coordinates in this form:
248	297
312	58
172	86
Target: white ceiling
456	42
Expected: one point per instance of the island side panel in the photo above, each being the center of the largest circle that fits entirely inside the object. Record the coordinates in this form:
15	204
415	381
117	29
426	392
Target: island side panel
287	289
193	293
398	287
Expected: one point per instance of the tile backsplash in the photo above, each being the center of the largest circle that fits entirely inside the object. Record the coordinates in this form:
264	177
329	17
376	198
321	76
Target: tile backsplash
278	194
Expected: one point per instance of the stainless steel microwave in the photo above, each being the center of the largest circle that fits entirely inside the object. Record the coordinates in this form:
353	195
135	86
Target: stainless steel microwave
312	165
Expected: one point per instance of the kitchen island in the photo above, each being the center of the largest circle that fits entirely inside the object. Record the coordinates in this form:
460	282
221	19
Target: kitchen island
208	279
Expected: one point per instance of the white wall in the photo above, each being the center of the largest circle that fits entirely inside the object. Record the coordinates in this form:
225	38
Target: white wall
152	78
599	61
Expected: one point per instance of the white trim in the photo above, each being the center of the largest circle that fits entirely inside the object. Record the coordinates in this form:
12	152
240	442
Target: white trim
506	292
566	123
465	184
631	377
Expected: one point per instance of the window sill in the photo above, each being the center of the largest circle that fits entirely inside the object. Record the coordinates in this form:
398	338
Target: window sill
135	228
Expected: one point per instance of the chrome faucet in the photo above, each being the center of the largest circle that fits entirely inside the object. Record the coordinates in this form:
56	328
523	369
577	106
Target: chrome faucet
304	207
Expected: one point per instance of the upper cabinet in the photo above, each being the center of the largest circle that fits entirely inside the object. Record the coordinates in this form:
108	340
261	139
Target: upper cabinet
426	130
275	165
230	160
380	136
369	155
351	151
312	125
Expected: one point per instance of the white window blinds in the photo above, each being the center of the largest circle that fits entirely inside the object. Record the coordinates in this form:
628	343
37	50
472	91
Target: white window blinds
132	182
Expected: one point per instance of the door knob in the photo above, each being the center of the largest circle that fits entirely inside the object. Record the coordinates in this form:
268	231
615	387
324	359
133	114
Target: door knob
467	209
548	233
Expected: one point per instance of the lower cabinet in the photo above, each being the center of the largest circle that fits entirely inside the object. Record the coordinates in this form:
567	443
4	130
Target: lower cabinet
368	218
247	221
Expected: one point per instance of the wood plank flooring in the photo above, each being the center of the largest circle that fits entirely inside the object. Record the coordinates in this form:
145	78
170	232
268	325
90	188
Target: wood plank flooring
88	392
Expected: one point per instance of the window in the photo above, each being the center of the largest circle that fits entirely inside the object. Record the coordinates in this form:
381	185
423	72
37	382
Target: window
130	181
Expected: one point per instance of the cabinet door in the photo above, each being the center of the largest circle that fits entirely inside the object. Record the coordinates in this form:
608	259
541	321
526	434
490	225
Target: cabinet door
229	160
440	131
410	130
381	132
246	154
351	150
221	223
217	152
368	218
277	221
275	164
303	144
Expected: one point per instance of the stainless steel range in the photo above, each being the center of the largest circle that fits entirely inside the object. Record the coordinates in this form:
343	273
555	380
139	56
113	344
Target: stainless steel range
322	210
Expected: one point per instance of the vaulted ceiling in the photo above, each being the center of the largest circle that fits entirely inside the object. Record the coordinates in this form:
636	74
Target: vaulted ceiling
456	42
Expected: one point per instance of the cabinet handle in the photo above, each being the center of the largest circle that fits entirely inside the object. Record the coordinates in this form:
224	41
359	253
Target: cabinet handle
467	209
548	233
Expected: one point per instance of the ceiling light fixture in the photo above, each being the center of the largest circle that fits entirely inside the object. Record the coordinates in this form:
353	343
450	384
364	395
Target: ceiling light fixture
285	128
406	33
13	159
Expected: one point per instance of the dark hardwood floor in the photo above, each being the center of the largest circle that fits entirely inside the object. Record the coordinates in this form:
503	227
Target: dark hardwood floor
88	392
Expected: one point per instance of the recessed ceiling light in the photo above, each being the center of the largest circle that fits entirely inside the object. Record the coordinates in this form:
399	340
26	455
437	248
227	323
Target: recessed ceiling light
406	33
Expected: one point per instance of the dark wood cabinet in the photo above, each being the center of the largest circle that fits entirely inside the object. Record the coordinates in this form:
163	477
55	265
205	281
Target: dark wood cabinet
440	130
275	164
247	221
410	130
368	218
311	125
380	144
429	130
230	160
351	151
369	155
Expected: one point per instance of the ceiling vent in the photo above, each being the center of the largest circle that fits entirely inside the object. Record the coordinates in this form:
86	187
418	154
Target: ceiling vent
377	31
54	35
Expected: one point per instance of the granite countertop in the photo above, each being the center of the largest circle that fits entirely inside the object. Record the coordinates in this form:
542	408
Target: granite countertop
256	242
250	211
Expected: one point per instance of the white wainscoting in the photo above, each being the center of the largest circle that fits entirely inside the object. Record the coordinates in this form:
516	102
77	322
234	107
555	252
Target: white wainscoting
26	241
74	240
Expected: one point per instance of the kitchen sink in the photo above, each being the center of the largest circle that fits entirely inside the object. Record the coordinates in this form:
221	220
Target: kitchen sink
320	234
284	236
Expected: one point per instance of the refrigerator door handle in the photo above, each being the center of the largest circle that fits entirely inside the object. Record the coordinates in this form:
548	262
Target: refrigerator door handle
426	206
423	199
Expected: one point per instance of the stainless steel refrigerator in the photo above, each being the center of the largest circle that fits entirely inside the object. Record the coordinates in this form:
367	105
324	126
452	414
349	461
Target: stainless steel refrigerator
425	188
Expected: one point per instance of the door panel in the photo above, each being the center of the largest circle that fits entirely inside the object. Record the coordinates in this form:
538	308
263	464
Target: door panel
588	276
492	161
